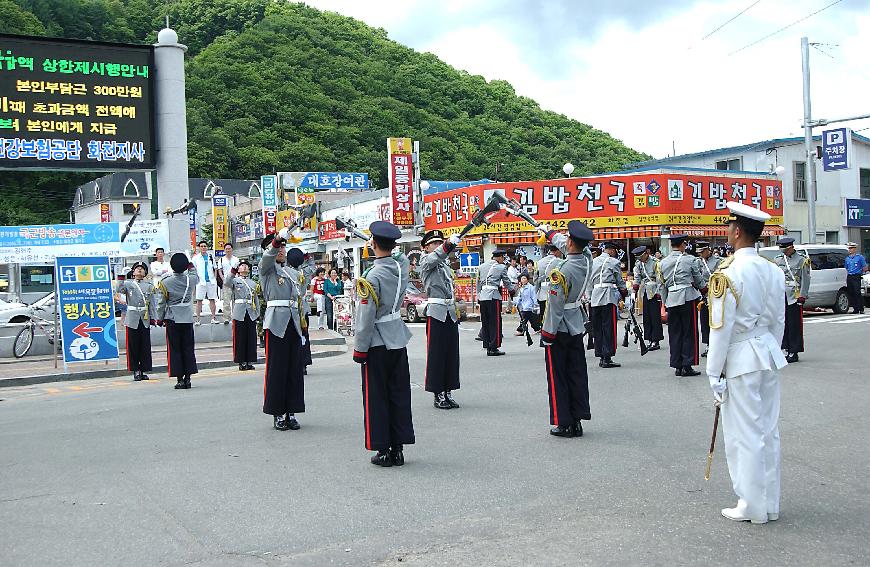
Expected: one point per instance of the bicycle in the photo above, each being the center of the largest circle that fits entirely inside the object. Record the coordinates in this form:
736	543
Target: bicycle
24	338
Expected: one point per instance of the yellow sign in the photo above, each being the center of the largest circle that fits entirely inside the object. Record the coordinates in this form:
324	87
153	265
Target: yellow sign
220	222
400	146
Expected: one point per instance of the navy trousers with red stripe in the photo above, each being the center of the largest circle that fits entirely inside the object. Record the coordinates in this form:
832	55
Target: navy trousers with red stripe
704	317
683	334
180	353
386	393
567	379
139	348
793	337
306	348
652	320
284	383
490	323
604	329
244	340
442	355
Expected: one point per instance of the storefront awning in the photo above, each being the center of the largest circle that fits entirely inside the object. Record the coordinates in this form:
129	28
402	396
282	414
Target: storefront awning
622	232
720	230
617	233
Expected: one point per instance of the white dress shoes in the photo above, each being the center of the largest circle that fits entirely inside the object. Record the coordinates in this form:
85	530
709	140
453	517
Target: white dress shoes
738	515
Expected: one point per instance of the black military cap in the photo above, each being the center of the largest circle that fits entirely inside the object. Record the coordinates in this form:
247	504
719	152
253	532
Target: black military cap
611	245
639	250
579	231
701	245
267	241
677	239
498	252
179	262
245	262
142	265
295	257
385	230
785	242
432	236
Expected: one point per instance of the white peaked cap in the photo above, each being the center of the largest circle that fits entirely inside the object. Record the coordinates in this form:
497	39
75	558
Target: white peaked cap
741	210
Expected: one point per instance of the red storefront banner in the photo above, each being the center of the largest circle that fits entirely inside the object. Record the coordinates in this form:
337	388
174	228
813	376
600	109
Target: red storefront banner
464	288
326	230
105	215
401	170
644	199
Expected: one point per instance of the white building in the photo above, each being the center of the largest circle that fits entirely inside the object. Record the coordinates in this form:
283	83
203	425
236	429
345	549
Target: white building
832	187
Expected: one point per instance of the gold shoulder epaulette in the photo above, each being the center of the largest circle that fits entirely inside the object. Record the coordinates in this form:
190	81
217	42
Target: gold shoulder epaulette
725	263
720	284
364	289
558	278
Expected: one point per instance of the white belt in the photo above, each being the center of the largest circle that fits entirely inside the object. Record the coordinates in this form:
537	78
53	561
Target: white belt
757	332
489	287
602	285
279	303
239	301
573	305
179	305
131	308
679	287
389	317
441	301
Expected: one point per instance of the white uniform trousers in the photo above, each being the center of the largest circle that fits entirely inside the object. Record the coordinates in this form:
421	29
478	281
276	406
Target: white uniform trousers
750	421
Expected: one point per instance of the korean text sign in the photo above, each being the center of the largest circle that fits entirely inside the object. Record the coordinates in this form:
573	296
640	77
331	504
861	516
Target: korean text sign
327	230
269	186
341	181
401	170
608	201
43	243
86	308
835	149
220	220
75	104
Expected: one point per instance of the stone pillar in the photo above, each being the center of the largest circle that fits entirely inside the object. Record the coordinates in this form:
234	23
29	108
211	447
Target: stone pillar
170	122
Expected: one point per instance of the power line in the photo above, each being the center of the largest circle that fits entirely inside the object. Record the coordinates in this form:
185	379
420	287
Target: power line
731	20
782	29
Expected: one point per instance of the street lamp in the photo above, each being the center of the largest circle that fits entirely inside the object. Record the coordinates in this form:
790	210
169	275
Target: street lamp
568	168
424	185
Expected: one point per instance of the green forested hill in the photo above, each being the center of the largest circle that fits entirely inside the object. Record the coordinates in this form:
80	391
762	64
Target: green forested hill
283	86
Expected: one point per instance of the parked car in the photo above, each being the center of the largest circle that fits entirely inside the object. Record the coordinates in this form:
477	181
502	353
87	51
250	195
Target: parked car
865	288
828	277
14	312
413	308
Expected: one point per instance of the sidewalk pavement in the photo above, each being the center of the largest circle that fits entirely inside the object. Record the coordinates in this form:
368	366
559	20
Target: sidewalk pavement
41	369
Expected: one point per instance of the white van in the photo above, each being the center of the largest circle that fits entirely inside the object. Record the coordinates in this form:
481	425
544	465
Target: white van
828	278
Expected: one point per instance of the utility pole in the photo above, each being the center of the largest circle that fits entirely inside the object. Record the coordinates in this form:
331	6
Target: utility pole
808	144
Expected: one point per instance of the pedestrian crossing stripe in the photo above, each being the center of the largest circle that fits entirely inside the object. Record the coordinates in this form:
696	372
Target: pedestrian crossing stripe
840	320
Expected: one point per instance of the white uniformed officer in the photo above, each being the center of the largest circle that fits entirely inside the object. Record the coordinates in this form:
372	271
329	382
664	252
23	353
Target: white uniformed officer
746	325
796	267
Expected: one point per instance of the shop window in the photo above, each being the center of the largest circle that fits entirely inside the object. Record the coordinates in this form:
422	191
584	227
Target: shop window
796	234
832	237
209	190
129	208
254	191
37	279
131	189
800	180
730	164
98	192
865	183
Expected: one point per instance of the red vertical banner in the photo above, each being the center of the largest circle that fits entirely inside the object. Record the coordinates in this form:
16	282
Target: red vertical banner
401	170
105	214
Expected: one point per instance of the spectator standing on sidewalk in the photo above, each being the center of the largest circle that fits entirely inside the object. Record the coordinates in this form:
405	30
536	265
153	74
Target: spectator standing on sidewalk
347	284
332	288
527	305
228	263
160	266
207	286
319	298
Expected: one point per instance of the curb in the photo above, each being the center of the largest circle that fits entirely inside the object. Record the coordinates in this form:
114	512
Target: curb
114	373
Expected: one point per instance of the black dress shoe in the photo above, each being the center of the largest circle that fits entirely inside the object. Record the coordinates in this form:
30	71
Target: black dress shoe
281	423
187	382
142	376
449	397
441	402
243	367
705	353
608	363
578	429
563	431
137	376
251	366
678	372
382	459
397	456
478	338
689	371
292	423
494	352
792	357
180	384
653	346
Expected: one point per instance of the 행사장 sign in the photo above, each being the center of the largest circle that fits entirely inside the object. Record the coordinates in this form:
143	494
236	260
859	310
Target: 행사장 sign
67	104
86	308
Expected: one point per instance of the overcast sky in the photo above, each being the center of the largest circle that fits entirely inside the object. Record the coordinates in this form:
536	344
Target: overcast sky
641	70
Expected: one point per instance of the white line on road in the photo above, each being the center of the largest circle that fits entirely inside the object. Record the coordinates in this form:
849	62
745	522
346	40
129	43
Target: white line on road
839	319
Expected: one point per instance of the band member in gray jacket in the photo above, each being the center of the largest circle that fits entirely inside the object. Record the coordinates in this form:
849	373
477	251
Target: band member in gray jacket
175	310
707	263
647	287
284	386
245	310
542	276
442	319
492	278
380	349
608	288
682	287
141	314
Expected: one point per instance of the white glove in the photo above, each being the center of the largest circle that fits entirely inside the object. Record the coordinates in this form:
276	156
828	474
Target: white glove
284	233
719	386
545	228
454	239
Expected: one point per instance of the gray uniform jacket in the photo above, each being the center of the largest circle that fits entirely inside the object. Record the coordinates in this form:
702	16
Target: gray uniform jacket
307	270
606	281
492	277
646	276
569	282
680	278
542	276
244	296
797	275
175	297
141	302
438	284
283	302
379	295
707	267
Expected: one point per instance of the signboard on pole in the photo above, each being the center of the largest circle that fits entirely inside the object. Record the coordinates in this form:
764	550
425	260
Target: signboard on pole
67	104
857	213
220	223
324	181
835	149
327	230
192	215
401	170
269	187
43	243
105	215
86	308
469	261
145	237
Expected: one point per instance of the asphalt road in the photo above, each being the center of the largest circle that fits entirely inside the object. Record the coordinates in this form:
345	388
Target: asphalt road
108	472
